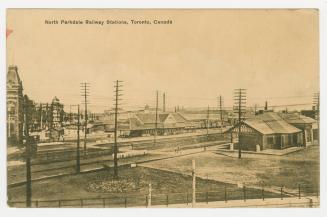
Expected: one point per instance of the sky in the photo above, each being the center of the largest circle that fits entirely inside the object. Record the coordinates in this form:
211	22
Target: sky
274	54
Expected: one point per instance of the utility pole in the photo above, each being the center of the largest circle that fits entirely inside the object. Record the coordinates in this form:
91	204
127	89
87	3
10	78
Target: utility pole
78	160
51	121
316	103
156	123
239	107
255	109
117	98
85	92
221	113
41	119
70	114
208	123
47	115
164	102
27	152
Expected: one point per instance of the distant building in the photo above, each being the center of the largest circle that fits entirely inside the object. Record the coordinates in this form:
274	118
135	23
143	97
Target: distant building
142	124
49	120
57	113
55	128
14	107
309	113
203	120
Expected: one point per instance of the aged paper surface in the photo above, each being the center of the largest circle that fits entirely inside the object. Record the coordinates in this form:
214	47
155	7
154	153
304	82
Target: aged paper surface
163	108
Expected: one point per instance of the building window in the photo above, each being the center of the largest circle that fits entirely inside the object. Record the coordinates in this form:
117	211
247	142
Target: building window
308	135
270	140
12	111
290	139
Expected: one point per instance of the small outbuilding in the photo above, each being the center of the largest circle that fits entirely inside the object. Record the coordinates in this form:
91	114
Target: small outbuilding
267	131
309	127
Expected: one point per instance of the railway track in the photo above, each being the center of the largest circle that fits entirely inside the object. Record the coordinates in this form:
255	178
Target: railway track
95	166
62	155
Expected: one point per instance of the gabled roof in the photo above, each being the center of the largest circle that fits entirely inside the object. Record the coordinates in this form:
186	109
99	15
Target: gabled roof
136	124
259	126
148	121
295	118
200	116
270	123
163	117
150	118
147	118
276	123
178	117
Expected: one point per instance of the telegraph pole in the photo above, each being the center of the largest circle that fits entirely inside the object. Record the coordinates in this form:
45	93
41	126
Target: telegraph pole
70	114
47	115
27	152
51	121
78	160
255	109
156	123
117	95
85	92
221	113
41	119
239	107
208	123
164	102
316	103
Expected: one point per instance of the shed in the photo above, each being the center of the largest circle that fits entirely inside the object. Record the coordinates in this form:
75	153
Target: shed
269	131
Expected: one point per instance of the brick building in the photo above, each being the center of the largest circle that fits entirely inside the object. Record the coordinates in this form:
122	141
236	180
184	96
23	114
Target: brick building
14	107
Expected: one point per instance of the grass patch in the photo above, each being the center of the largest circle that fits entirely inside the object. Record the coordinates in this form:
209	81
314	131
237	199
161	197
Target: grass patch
289	171
168	187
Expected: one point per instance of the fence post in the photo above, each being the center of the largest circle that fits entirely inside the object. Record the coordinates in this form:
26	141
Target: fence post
146	201
244	193
59	203
167	202
82	203
187	198
225	194
125	202
207	197
150	195
36	203
104	202
263	193
299	192
193	184
281	193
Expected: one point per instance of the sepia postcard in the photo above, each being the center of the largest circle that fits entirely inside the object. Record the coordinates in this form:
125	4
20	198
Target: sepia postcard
163	108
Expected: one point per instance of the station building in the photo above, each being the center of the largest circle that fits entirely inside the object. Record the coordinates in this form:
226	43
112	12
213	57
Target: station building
268	131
